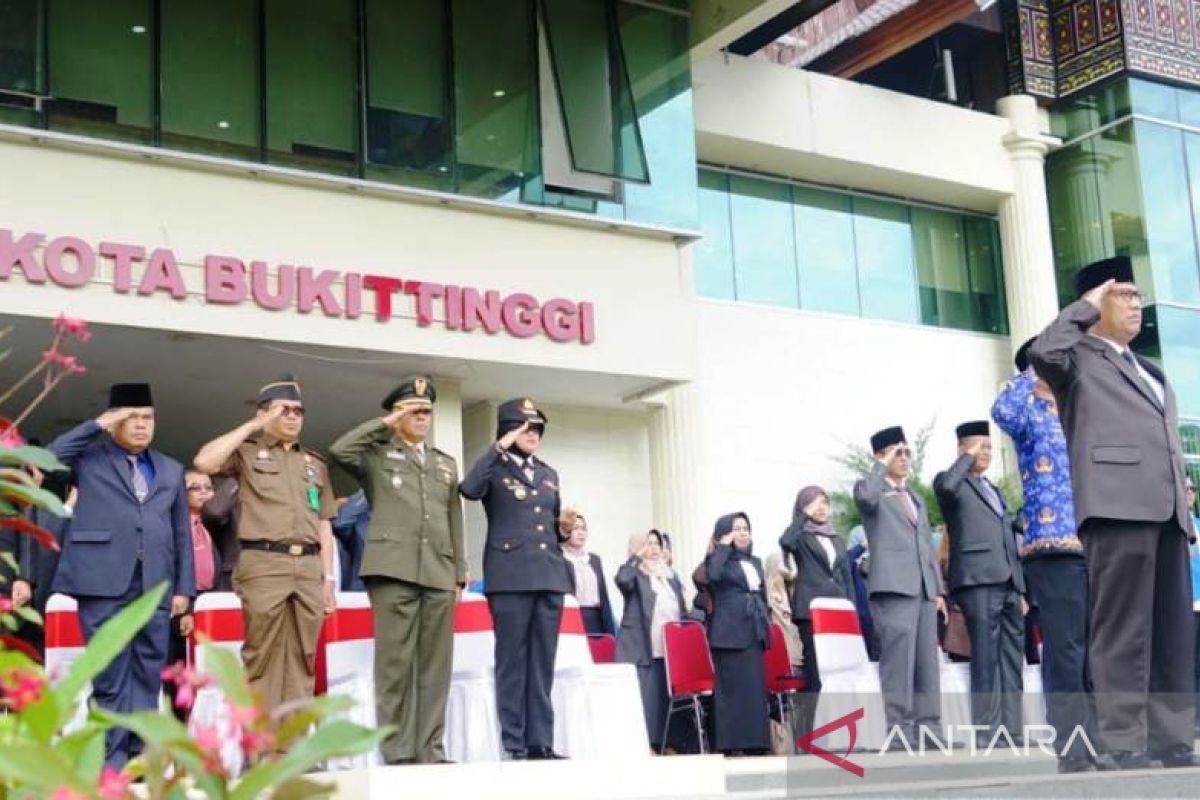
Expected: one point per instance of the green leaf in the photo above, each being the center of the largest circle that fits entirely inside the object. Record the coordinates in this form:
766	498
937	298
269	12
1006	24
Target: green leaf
29	614
303	789
113	637
151	726
10	562
39	457
9	621
317	709
43	718
85	749
31	495
37	766
336	739
227	669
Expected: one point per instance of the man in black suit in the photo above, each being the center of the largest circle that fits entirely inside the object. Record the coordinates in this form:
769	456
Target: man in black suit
1120	418
525	575
986	582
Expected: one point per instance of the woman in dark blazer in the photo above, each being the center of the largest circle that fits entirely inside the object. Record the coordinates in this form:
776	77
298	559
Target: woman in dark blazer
653	597
738	633
822	570
587	573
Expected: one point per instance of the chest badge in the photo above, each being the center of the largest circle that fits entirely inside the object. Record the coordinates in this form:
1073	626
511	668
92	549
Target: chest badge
519	493
397	481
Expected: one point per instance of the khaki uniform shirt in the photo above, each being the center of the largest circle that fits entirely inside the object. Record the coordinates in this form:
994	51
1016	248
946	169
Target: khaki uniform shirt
285	491
416	530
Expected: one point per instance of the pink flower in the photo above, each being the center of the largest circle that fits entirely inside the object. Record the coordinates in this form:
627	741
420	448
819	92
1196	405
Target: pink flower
21	688
113	785
240	717
9	437
255	744
51	356
6	605
208	739
186	683
72	326
67	793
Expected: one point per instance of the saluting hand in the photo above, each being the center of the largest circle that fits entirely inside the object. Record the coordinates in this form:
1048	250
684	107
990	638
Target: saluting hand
110	419
727	539
1096	296
510	438
265	416
391	419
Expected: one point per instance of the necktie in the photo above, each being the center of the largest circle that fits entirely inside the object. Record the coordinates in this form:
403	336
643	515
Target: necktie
527	466
993	496
1127	354
140	488
910	508
420	451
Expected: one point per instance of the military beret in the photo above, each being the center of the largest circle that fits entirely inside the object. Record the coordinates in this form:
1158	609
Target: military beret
415	392
285	387
1118	268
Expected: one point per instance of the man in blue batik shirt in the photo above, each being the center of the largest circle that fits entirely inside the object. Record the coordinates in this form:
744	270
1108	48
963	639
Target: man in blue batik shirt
1052	556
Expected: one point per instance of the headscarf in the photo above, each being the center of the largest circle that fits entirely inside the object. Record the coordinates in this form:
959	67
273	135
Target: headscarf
659	569
724	527
803	500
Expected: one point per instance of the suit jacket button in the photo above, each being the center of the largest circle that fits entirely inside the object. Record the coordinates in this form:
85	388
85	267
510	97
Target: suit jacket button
541	528
506	545
542	545
535	492
537	509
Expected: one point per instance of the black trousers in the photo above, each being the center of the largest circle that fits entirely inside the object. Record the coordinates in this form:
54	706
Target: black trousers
526	625
997	631
1058	587
1141	650
807	705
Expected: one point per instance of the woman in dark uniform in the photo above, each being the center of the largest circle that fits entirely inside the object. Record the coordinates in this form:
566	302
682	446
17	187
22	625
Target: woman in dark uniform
822	570
737	635
653	597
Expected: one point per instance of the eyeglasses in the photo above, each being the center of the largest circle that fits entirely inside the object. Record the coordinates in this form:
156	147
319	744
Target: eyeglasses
199	487
903	452
292	411
1126	295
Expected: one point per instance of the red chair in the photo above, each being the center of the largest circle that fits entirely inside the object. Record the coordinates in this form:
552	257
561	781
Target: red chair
603	647
782	683
689	674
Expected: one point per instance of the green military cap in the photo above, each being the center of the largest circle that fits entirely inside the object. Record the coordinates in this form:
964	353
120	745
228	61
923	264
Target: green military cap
415	392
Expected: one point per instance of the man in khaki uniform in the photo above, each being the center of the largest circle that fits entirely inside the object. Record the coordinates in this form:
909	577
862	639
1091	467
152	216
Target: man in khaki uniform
284	576
414	566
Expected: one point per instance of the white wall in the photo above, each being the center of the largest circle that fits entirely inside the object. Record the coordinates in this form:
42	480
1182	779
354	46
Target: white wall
767	118
781	391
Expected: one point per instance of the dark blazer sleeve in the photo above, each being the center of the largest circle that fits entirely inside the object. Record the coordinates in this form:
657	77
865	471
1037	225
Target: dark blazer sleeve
1050	352
869	490
605	605
718	563
185	575
947	484
476	483
70	446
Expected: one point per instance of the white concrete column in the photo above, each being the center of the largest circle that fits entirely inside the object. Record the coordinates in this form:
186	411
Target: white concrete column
1027	250
676	456
446	432
1089	218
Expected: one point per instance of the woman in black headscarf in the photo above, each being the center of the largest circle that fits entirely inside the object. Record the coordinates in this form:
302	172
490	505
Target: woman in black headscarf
822	570
737	635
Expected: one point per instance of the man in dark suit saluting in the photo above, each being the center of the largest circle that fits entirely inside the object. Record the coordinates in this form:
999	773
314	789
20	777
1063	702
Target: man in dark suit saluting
1119	416
524	575
986	581
129	533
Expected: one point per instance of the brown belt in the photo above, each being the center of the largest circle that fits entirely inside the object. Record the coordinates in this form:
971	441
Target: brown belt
281	547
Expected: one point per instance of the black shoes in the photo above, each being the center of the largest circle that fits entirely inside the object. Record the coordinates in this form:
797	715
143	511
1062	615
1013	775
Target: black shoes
1182	756
1127	760
543	754
1067	766
516	755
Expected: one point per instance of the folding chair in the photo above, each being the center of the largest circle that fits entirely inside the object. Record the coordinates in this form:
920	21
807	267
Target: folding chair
689	674
603	647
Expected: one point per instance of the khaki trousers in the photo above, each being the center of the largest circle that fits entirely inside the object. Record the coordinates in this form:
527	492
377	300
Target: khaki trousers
283	609
414	649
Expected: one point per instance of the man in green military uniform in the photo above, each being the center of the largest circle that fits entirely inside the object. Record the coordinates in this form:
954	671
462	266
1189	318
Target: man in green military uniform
414	566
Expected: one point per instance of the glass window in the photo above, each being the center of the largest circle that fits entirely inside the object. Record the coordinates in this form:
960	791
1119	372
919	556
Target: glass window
1170	231
884	252
593	89
712	256
989	308
1189	107
1155	100
825	251
1096	206
20	48
657	55
312	84
101	68
941	268
1179	343
210	77
764	252
1086	112
495	96
409	132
